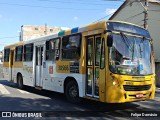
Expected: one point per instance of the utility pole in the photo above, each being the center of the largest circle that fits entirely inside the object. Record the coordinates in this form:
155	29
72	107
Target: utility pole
146	15
145	6
45	29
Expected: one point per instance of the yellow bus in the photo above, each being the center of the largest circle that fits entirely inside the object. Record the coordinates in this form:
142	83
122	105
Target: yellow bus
107	61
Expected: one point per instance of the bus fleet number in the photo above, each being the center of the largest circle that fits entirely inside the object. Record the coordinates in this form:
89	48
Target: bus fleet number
63	67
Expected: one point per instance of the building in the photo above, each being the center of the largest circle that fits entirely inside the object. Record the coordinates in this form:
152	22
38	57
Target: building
30	32
133	11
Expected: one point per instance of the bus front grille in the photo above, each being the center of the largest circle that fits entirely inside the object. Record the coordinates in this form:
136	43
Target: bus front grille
136	88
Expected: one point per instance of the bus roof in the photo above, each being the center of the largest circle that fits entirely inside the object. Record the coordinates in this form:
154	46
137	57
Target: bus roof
89	27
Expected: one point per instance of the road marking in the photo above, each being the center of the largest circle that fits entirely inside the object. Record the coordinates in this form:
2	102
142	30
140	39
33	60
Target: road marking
129	110
22	91
3	90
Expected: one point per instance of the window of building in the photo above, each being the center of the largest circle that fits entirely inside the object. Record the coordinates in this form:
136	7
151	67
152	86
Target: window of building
6	55
52	49
51	30
19	53
28	52
36	28
71	47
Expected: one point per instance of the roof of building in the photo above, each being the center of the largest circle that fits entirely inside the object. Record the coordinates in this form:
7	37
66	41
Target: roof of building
126	3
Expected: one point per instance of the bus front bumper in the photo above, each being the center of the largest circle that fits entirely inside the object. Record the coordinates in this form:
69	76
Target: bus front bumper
119	95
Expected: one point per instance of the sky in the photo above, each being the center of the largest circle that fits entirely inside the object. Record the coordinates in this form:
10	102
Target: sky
59	13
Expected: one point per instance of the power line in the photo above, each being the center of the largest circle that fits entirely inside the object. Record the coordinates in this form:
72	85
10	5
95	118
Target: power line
111	13
35	6
154	19
115	0
9	37
99	0
25	5
104	17
139	22
133	16
2	44
155	10
102	0
14	36
66	2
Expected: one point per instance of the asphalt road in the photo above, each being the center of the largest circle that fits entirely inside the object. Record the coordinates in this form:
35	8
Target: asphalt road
55	106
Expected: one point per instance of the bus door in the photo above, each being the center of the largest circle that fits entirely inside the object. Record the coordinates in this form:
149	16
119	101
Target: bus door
11	64
39	68
93	66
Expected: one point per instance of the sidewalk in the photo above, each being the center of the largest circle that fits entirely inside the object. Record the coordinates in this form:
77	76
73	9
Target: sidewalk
157	89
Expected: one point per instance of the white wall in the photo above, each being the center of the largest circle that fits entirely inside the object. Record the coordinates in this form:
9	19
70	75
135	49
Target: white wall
127	13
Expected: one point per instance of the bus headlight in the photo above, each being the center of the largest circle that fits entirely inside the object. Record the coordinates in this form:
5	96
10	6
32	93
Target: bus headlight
115	83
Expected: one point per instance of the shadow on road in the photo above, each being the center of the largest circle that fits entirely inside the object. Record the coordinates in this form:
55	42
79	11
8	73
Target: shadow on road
57	103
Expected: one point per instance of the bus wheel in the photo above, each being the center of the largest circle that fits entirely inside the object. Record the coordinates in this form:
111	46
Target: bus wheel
20	82
72	92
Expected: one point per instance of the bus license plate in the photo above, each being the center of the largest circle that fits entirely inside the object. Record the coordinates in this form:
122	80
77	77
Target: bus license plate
139	95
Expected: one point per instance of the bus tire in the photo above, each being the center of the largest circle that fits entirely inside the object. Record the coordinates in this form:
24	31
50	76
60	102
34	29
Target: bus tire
20	82
72	92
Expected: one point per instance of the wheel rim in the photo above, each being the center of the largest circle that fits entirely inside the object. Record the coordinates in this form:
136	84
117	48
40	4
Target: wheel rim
19	82
73	92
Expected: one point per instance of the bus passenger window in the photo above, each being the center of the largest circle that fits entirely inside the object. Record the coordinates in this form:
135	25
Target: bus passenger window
19	53
52	49
28	52
47	50
98	50
6	55
71	47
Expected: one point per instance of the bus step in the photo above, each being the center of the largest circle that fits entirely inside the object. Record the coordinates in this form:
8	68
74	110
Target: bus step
38	88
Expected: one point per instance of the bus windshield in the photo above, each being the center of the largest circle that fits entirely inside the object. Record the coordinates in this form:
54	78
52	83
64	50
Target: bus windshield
130	55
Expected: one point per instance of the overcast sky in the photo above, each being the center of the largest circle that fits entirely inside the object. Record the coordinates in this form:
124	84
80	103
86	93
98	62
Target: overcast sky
59	13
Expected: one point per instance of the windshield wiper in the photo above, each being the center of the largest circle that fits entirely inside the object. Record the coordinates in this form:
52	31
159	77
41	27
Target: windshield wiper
126	41
141	50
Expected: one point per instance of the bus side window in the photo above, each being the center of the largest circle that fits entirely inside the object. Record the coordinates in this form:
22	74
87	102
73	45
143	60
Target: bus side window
52	49
47	50
19	53
6	55
28	52
71	47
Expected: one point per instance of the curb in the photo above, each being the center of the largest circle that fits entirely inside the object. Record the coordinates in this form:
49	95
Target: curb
157	89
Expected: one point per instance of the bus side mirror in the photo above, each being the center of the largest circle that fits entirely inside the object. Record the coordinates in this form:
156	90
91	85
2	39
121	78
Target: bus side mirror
109	40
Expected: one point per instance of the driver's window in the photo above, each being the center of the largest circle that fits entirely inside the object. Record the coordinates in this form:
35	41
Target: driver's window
116	56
